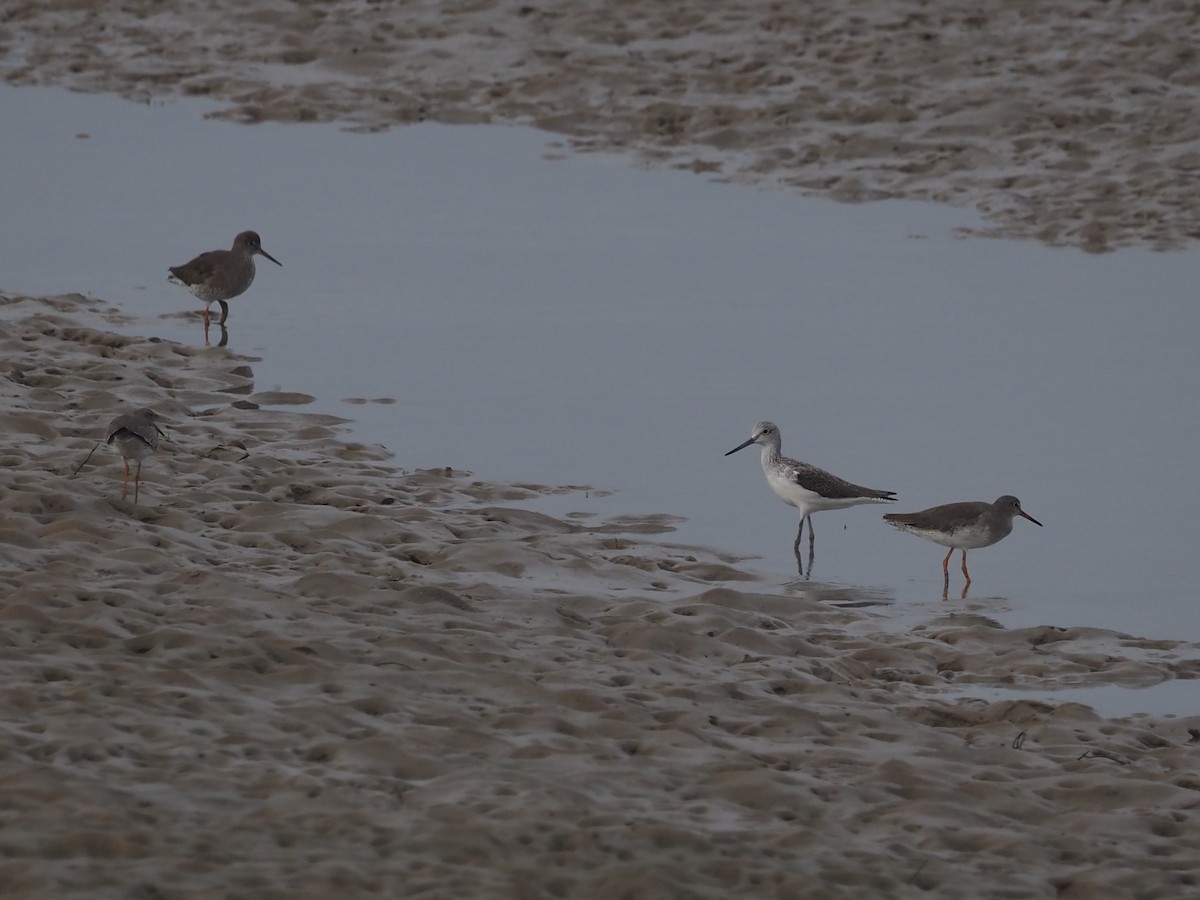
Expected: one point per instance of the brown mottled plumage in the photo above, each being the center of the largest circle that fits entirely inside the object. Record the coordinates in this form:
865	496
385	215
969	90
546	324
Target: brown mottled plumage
962	526
220	275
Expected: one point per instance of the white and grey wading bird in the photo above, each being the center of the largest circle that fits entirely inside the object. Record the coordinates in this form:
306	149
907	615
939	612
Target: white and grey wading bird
806	487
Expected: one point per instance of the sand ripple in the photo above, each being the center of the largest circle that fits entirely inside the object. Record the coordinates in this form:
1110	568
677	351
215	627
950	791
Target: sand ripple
307	672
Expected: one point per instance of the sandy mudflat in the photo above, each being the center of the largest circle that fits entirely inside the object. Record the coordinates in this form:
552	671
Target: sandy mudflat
296	670
1068	121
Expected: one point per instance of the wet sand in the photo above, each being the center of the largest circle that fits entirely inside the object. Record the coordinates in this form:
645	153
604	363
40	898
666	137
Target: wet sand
298	669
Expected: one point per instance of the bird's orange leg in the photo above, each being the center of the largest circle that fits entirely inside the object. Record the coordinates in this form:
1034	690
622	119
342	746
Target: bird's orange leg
966	574
946	573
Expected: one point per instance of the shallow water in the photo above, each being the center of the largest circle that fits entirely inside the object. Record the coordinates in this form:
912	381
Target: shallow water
579	321
1176	697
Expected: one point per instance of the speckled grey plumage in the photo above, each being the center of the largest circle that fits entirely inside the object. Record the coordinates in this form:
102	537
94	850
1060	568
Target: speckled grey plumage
136	436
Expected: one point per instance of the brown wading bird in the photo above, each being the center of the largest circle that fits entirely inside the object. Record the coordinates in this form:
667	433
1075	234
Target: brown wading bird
136	436
962	526
221	275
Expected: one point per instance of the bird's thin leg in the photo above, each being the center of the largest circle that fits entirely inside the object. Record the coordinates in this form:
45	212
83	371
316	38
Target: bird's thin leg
137	480
812	538
946	573
796	549
224	311
966	574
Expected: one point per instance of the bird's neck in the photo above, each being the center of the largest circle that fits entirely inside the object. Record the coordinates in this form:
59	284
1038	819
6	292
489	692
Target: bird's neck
770	454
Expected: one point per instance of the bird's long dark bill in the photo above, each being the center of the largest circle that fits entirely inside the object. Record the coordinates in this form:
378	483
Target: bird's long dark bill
270	257
740	446
1029	517
84	463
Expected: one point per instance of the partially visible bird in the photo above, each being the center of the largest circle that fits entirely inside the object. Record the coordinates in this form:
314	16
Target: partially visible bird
220	275
136	436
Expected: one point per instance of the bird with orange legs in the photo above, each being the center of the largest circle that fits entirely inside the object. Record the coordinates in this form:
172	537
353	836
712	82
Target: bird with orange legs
962	526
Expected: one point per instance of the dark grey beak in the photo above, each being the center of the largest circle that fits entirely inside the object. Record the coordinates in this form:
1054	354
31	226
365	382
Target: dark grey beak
1029	517
270	257
740	446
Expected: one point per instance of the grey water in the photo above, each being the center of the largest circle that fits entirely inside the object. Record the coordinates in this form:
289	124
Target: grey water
543	316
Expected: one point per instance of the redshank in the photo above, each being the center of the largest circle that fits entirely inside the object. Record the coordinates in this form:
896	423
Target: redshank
806	487
221	275
962	526
136	436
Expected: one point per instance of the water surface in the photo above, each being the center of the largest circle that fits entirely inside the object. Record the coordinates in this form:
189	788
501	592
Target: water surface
579	321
